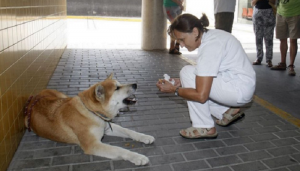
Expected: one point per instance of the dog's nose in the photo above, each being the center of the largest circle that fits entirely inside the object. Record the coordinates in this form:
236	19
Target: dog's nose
134	86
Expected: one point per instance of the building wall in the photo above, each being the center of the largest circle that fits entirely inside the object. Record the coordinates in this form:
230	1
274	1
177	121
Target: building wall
32	39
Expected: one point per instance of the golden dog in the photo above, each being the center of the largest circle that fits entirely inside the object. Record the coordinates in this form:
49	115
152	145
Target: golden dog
84	119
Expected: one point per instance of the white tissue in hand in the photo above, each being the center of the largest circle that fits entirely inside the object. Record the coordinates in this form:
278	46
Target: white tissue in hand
167	78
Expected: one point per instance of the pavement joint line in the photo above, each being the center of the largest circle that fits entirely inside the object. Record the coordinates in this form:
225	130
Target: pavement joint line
279	112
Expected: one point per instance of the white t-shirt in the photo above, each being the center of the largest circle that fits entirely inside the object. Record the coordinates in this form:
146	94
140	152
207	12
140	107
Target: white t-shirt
224	5
222	55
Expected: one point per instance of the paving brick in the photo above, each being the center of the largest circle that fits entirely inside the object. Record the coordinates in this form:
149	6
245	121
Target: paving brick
52	152
256	165
294	168
264	137
192	165
31	163
296	157
165	159
231	150
217	169
236	141
224	161
201	154
242	133
286	134
268	129
151	151
252	156
285	142
259	146
156	168
36	145
209	144
178	148
279	162
96	166
282	151
163	141
58	168
70	159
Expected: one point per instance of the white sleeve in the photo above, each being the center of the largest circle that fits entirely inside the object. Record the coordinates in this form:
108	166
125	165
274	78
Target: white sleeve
210	58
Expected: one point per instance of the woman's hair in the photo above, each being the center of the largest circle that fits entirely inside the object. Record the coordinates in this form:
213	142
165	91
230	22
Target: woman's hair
186	22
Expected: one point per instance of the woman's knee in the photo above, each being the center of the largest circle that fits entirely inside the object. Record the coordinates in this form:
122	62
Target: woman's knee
186	71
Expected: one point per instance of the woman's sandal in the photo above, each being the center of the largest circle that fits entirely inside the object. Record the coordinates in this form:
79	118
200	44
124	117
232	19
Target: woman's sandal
200	133
174	51
230	118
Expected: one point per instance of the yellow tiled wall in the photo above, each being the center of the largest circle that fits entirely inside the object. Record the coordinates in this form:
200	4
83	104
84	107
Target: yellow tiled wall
32	40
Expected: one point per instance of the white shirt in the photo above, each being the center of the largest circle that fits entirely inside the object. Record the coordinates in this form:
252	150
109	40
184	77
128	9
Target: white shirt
224	5
222	55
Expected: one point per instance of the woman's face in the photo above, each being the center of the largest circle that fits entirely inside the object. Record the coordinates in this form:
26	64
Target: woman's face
188	40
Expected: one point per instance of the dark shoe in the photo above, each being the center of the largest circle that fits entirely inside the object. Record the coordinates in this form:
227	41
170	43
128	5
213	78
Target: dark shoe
175	52
269	63
291	70
177	46
280	66
257	62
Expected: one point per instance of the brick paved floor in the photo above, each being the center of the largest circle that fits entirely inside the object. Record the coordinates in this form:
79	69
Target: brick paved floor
261	141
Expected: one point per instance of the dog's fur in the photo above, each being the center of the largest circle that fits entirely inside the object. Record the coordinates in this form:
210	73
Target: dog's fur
58	117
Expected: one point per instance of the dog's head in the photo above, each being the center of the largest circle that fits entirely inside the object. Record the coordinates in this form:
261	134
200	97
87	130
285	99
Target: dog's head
108	96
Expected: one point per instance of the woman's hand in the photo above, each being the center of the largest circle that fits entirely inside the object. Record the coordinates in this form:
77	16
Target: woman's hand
165	86
177	82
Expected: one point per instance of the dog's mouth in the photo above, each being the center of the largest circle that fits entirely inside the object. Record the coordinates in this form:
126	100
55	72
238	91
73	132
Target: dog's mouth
130	100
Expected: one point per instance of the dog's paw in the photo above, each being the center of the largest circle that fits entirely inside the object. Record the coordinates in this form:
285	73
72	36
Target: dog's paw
147	139
139	160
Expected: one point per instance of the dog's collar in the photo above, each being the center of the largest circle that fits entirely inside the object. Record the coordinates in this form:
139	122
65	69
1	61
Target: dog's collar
100	115
28	110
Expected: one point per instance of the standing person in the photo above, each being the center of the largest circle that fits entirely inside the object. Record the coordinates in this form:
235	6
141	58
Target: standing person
224	14
222	81
288	26
263	26
173	8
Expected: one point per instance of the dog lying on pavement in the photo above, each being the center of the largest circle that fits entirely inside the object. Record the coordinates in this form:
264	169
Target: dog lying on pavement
85	118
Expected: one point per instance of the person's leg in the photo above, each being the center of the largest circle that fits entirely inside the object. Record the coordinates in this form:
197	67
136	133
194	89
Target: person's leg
199	113
269	34
202	122
294	25
282	33
283	50
171	13
224	21
259	34
293	54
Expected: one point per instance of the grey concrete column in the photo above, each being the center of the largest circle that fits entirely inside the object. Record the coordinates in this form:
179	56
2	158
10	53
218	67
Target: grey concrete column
154	25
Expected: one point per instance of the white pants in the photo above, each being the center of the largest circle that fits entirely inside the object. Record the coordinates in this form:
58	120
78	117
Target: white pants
222	96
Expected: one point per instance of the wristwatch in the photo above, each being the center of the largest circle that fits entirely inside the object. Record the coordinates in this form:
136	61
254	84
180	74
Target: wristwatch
176	91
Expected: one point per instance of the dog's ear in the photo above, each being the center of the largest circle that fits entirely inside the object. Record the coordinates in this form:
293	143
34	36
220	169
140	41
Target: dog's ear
110	76
99	91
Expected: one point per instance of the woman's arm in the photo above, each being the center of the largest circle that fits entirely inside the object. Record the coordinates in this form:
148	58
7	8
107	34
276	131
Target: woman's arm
200	94
202	91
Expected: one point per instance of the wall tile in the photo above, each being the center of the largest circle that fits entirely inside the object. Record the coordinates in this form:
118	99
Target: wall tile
29	52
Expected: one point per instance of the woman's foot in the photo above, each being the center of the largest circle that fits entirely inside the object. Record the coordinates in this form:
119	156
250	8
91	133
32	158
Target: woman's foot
229	116
197	133
174	51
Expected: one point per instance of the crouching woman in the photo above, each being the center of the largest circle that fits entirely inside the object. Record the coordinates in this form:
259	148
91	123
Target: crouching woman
221	82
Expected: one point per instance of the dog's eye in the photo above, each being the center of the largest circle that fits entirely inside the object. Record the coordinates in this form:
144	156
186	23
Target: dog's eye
117	88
